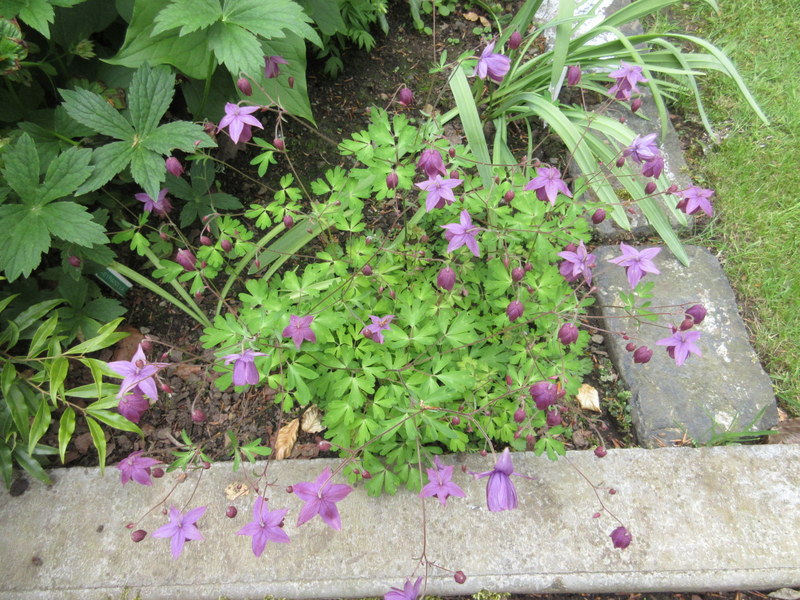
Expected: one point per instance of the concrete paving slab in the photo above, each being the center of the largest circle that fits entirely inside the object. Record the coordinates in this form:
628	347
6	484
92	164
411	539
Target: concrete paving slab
724	390
701	519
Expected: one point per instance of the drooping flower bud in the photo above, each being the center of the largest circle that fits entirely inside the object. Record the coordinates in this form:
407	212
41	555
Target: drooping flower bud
515	310
392	180
198	416
323	445
636	104
650	187
544	394
687	323
244	86
621	538
509	196
205	240
74	261
460	577
366	270
514	41
174	166
600	451
642	355
553	417
620	162
186	259
279	144
158	472
291	82
697	313
138	535
517	273
598	216
226	245
567	334
231	512
446	279
519	415
405	97
573	75
451	152
288	221
630	347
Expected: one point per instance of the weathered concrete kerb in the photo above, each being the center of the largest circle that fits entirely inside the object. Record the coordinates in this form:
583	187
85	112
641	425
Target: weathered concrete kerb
702	519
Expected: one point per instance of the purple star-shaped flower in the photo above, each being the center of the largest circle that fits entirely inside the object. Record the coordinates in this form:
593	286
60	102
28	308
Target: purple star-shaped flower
299	329
133	405
636	262
440	191
431	162
500	491
680	344
181	528
547	184
581	261
697	199
236	118
378	325
440	484
462	233
642	148
244	367
272	66
160	206
265	526
136	467
409	592
137	372
321	497
627	77
492	64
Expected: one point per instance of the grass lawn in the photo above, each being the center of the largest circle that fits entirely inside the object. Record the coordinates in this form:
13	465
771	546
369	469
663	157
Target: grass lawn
755	170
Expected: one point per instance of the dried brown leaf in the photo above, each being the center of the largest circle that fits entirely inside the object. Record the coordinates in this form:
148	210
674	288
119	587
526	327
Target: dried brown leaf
588	398
236	489
312	420
471	16
126	347
287	436
484	21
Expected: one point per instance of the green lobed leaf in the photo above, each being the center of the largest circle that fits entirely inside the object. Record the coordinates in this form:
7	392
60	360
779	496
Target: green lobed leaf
71	222
178	134
21	168
92	110
66	427
108	160
38	14
22	248
236	48
270	18
147	169
189	15
149	97
65	173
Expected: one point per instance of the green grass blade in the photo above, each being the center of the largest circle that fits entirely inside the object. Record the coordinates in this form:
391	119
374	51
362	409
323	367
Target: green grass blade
471	123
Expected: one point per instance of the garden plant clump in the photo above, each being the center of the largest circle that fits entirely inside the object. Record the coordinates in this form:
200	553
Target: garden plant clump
456	326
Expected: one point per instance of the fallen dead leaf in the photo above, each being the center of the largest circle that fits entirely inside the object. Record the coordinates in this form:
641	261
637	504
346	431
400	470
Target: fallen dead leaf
287	436
484	21
188	372
236	490
312	420
471	16
126	347
588	398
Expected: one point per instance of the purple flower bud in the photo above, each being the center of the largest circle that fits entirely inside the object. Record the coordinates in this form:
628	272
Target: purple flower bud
226	245
451	152
600	451
323	445
687	323
697	313
138	535
453	174
650	187
291	82
288	221
158	472
455	420
599	216
206	465
621	538
567	334
515	310
405	97
205	240
174	166
366	270
573	75
544	394
392	180
509	196
186	259
620	162
553	417
519	415
570	247
446	279
198	416
279	144
231	512
527	267
460	577
74	261
636	104
630	347
517	273
642	355
244	86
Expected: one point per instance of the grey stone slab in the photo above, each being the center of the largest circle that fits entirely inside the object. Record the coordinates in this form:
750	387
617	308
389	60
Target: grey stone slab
701	519
724	390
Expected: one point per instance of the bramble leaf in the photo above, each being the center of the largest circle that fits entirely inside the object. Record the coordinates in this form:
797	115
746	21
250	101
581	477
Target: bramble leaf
21	169
108	160
71	222
67	171
92	110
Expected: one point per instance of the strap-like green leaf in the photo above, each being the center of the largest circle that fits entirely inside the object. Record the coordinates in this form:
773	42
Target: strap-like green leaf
40	424
66	427
149	97
471	122
31	465
90	109
99	440
21	169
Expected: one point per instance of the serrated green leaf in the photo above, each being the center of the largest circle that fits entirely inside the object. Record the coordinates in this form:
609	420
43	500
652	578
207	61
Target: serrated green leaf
38	14
236	48
92	110
22	250
149	97
189	15
147	169
21	169
108	160
40	424
71	222
64	174
99	440
178	134
66	427
270	18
